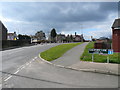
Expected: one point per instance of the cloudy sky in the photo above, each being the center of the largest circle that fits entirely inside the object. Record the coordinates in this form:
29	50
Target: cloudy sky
90	18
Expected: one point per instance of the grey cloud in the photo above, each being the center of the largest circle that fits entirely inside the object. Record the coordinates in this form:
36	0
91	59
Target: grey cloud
59	15
47	12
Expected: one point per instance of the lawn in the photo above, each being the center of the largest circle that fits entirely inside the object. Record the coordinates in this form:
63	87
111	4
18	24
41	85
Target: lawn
86	56
57	51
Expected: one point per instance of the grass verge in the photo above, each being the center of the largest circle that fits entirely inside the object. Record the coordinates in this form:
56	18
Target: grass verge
86	56
57	51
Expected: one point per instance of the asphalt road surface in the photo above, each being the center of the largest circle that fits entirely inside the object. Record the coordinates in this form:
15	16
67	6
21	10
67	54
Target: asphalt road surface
15	58
22	68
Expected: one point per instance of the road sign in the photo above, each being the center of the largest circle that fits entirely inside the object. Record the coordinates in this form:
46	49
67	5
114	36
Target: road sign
101	51
98	51
110	51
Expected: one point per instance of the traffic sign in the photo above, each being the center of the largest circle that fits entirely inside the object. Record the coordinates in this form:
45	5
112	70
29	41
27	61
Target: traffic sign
110	51
101	51
98	51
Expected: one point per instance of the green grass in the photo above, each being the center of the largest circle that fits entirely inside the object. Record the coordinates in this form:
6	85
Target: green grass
57	51
86	56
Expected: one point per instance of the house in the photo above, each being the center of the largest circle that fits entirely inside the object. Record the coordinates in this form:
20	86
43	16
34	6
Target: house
103	39
3	31
102	43
60	38
12	36
116	35
78	38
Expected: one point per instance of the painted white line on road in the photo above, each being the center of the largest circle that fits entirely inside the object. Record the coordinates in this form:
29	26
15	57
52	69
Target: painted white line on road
8	78
16	71
35	57
30	62
27	64
20	68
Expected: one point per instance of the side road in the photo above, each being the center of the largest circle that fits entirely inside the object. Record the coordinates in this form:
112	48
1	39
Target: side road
71	59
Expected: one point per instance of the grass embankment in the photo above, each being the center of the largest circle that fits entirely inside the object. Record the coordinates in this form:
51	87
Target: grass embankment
57	51
97	57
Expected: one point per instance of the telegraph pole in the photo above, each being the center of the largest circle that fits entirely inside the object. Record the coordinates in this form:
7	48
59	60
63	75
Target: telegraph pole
81	31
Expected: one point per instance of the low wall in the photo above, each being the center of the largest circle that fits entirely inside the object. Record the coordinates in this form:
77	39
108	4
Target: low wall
12	43
102	45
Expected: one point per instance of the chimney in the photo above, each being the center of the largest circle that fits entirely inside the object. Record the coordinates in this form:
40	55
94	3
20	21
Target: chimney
75	33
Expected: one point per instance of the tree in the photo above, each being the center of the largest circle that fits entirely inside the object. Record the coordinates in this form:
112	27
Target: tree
24	37
68	38
40	35
53	34
71	38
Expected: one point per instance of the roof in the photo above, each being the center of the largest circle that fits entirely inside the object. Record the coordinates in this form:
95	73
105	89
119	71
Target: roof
11	34
61	35
103	38
116	23
3	25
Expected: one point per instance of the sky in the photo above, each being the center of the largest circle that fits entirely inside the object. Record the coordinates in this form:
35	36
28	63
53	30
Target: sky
87	18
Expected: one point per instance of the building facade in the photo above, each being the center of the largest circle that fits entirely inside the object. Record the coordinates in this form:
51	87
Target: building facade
116	35
12	36
60	38
3	32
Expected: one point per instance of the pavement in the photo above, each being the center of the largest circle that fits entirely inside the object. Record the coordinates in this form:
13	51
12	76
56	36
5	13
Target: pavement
71	59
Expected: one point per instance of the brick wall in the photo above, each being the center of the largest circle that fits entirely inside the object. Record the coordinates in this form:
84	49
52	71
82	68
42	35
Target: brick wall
116	40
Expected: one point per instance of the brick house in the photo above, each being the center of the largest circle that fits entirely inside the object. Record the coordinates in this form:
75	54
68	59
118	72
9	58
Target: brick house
3	31
116	35
102	43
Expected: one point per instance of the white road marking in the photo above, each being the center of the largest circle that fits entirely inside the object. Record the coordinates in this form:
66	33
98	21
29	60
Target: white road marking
16	71
8	78
27	64
35	57
20	68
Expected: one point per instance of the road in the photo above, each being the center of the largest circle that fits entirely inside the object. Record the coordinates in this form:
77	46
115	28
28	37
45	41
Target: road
15	58
22	68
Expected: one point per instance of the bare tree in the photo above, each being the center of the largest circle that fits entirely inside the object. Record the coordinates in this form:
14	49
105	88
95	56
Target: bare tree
40	35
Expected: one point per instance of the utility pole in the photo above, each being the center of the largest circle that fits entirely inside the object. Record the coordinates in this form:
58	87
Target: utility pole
81	26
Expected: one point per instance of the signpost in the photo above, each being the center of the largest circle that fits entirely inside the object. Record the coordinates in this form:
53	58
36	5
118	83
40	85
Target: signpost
110	51
101	51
